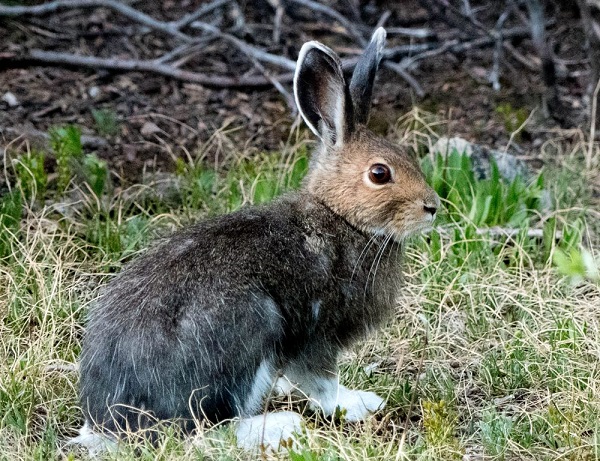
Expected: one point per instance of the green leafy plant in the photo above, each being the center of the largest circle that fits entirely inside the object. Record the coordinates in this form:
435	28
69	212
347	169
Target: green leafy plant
306	454
10	217
495	432
71	161
439	422
107	122
66	145
31	175
95	172
513	118
577	263
257	180
482	202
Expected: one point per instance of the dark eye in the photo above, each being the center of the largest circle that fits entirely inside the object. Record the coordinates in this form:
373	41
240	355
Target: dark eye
380	174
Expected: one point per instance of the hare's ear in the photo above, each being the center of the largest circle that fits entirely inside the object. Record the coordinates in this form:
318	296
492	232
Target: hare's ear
361	85
322	95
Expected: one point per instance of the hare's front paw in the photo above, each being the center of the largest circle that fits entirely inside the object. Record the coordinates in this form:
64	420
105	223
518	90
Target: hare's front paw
268	431
358	405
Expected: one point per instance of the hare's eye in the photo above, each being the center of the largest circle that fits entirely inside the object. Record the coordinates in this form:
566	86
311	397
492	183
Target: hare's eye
380	174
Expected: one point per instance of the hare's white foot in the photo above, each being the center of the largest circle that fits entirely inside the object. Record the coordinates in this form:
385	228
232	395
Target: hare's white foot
357	404
268	430
284	387
95	442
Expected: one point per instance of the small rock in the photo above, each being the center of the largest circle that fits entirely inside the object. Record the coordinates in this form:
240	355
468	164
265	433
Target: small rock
509	166
150	128
94	92
10	99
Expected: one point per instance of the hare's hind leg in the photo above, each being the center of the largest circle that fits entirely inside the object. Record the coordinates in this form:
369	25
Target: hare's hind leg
319	382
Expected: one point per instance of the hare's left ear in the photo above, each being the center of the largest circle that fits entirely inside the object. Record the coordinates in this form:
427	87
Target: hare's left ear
322	94
361	85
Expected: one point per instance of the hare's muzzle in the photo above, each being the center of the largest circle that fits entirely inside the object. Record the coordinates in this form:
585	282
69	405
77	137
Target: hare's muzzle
431	205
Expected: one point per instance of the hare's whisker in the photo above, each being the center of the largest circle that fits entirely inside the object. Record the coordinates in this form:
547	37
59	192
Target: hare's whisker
381	253
375	259
363	254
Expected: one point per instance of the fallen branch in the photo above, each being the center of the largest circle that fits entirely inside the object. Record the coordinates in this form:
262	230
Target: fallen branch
120	7
453	46
513	232
35	57
400	70
411	32
161	65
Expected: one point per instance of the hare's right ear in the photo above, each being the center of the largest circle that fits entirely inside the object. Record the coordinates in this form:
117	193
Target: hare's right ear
322	94
363	78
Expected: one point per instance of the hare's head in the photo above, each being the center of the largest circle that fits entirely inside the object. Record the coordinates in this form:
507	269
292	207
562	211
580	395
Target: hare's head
375	185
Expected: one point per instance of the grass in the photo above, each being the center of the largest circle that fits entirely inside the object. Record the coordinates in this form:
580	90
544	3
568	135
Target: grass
493	353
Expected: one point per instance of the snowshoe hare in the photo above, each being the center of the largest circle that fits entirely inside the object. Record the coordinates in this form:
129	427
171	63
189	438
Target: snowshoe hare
199	327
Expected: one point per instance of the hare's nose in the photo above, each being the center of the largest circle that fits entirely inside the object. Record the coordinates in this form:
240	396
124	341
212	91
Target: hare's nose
432	204
430	209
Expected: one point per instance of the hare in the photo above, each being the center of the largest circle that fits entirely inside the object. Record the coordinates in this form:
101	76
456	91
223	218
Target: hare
199	327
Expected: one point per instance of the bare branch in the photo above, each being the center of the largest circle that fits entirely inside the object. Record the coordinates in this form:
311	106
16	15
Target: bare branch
494	76
249	50
400	70
498	231
176	52
203	10
120	7
445	47
383	19
347	24
289	99
278	7
45	8
54	58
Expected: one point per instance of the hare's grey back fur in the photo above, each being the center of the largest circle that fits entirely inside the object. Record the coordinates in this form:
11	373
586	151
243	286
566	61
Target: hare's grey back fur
183	330
196	327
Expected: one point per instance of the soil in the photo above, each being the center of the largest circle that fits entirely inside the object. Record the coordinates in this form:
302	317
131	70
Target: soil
160	119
